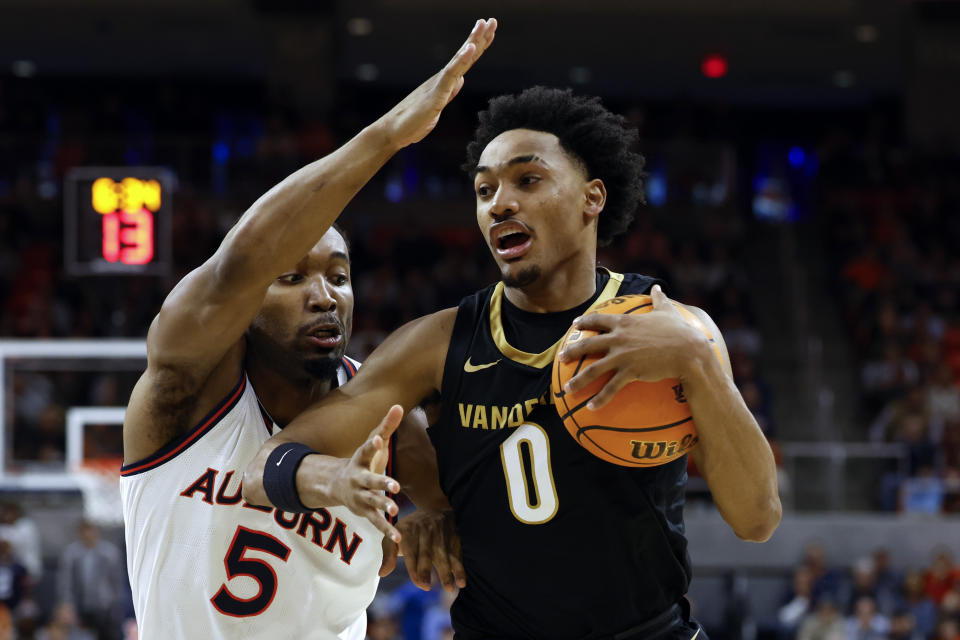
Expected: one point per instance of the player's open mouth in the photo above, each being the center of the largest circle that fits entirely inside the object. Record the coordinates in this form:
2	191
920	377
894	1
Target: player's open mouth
510	239
325	336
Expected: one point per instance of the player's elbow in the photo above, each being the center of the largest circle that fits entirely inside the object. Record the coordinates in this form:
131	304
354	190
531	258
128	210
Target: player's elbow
762	521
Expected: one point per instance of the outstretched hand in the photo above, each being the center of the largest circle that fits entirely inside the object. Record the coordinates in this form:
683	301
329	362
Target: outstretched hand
430	541
417	114
361	483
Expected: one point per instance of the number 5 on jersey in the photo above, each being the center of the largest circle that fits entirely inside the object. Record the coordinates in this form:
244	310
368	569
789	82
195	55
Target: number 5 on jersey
526	466
261	571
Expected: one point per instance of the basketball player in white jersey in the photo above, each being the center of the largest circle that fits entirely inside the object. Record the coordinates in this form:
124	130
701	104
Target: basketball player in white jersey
241	346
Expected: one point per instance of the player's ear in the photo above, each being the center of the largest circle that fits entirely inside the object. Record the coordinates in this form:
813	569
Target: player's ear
595	197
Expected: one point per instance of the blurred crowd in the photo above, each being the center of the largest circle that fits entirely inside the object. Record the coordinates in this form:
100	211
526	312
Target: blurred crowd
891	228
870	600
82	595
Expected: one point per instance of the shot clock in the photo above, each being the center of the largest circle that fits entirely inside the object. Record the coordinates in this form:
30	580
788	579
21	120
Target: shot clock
117	220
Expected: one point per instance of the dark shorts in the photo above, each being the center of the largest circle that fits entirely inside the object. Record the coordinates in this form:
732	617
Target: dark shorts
673	624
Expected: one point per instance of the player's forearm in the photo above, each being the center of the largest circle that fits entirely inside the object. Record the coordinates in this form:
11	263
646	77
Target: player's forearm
285	222
317	479
732	453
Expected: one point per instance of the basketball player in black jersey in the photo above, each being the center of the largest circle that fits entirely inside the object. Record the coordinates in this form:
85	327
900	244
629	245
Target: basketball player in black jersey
555	542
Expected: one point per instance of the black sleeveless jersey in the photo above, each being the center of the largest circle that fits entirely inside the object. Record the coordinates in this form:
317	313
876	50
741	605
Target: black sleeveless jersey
556	543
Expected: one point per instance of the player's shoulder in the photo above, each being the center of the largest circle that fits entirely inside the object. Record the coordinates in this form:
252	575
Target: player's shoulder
637	282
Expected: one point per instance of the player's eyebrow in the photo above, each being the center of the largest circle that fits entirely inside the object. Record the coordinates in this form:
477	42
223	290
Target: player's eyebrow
527	159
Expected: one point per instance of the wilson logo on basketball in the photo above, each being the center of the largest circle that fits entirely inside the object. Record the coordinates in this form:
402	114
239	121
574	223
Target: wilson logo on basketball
654	450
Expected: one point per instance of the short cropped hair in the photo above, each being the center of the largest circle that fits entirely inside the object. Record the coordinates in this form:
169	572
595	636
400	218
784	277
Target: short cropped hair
599	139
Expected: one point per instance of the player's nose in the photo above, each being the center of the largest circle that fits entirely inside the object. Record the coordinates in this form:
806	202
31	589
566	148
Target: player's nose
319	296
504	203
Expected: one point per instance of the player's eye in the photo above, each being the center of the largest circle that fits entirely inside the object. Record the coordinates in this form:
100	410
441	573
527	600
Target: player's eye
529	179
339	279
484	191
290	278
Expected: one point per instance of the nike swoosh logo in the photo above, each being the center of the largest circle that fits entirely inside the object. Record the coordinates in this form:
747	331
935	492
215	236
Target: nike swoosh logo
470	368
283	456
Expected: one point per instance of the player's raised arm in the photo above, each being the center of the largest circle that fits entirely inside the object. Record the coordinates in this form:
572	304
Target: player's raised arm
329	439
195	337
211	307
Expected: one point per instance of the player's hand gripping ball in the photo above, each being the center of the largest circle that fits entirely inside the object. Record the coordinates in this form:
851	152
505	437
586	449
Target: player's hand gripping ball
647	423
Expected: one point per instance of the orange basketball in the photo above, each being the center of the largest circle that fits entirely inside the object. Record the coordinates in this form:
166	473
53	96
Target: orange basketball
647	423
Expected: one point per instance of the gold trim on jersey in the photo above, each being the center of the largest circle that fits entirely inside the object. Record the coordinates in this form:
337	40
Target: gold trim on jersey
544	358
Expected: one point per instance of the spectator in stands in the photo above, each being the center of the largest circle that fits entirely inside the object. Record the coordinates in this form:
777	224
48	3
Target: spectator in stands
887	377
888	581
826	581
920	605
942	401
903	626
866	623
825	623
63	625
950	604
91	579
924	492
798	604
941	577
13	577
24	538
864	584
908	422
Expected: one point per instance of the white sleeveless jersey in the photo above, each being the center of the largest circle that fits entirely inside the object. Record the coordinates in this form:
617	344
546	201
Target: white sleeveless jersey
205	564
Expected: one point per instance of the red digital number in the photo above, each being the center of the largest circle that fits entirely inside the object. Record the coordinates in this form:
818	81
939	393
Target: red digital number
128	237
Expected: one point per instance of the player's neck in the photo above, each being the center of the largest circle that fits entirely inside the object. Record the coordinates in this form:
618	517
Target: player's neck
568	285
284	397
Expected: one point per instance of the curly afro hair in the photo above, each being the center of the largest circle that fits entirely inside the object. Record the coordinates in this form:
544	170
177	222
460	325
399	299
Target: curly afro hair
597	138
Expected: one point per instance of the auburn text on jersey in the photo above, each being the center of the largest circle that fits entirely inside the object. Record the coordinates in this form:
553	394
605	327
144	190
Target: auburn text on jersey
313	525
